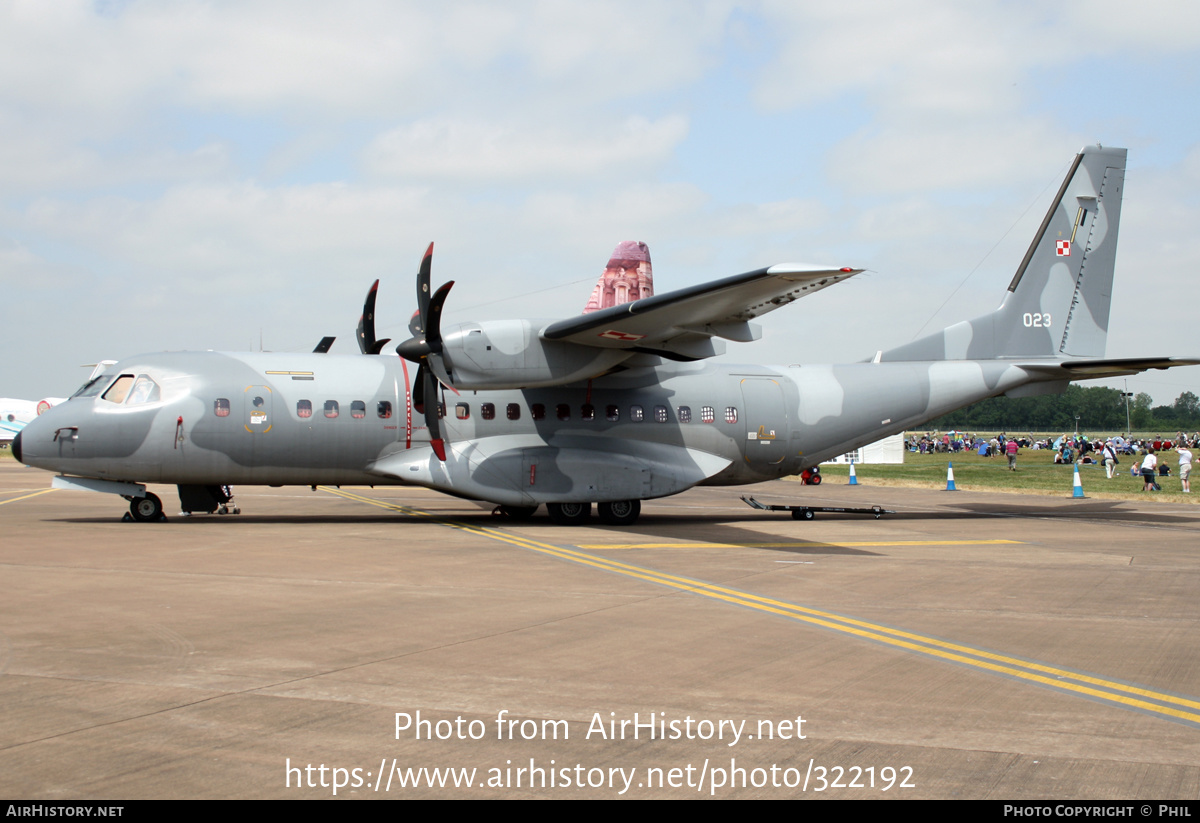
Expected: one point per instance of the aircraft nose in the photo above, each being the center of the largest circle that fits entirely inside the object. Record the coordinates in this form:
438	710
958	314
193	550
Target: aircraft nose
16	447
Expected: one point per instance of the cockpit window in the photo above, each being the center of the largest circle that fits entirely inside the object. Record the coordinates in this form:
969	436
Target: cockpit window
117	391
144	390
92	387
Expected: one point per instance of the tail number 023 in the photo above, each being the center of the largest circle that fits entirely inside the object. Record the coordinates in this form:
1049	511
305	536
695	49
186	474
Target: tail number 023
1036	320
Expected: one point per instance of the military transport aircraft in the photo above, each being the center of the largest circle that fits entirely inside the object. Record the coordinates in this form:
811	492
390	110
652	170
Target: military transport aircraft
612	407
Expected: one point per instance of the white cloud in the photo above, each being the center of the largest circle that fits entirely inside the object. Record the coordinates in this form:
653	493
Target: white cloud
487	151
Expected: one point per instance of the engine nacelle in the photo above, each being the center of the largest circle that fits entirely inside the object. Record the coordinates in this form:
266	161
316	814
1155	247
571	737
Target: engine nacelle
508	354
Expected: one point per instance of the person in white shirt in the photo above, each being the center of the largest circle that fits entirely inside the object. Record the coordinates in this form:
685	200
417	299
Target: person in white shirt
1185	468
1110	459
1149	465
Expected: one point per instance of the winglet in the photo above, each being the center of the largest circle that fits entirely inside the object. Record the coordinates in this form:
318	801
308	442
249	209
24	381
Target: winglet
628	276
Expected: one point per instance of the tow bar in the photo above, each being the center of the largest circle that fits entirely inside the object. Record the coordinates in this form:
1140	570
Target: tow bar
809	512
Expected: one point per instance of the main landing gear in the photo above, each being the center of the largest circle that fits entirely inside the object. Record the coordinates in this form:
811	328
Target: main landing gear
569	514
619	512
615	513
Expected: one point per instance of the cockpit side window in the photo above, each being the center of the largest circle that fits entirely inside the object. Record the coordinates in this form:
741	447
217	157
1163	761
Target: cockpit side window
144	390
117	391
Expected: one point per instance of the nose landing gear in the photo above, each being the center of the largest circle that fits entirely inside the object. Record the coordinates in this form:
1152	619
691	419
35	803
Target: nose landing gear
148	509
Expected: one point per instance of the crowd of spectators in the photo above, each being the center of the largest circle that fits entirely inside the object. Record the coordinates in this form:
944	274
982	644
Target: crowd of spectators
1148	456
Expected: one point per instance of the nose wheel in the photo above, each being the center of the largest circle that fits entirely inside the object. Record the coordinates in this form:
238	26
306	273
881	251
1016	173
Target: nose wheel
148	509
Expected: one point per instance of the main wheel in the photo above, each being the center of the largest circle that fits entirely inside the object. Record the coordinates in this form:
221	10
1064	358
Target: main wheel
619	512
569	514
146	509
815	480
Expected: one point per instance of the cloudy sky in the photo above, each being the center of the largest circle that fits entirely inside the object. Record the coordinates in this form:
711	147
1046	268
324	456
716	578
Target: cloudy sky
209	175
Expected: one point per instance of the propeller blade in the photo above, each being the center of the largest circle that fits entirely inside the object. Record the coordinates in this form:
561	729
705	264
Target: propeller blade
426	323
432	422
433	318
423	273
366	323
418	390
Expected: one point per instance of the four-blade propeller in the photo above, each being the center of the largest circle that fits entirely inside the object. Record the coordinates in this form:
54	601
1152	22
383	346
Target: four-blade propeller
425	349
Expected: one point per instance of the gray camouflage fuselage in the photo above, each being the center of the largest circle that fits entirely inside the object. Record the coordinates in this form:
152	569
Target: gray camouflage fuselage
642	427
787	419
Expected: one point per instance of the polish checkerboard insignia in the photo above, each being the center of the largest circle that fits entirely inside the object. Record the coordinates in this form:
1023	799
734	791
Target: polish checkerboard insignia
613	334
1063	248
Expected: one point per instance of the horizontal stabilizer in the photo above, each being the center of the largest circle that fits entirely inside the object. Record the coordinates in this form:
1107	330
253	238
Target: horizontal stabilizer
1086	369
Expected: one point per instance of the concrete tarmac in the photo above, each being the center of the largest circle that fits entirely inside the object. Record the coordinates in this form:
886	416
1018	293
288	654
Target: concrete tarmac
970	646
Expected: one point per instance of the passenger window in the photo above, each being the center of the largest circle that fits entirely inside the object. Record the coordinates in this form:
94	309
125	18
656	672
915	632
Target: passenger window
707	414
488	411
636	414
384	409
117	391
221	407
331	409
358	410
462	411
304	408
563	411
684	413
537	411
660	414
588	412
612	413
730	414
514	411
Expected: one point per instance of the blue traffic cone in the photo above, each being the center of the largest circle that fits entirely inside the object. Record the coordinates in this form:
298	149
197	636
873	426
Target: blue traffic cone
1078	492
950	478
853	476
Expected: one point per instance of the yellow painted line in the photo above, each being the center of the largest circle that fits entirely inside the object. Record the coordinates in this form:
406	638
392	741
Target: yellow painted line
1130	695
25	497
805	545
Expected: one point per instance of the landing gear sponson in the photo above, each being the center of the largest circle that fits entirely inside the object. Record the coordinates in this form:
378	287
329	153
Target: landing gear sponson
616	513
809	512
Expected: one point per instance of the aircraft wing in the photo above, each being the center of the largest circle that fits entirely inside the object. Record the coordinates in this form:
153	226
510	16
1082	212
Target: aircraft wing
681	324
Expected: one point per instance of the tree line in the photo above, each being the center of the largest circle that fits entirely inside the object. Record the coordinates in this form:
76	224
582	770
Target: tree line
1096	408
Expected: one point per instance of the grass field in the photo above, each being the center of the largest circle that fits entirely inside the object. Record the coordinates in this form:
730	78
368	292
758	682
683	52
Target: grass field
1035	474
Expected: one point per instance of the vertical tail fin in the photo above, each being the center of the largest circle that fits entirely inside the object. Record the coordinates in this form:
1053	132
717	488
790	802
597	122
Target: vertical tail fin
627	277
1057	304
